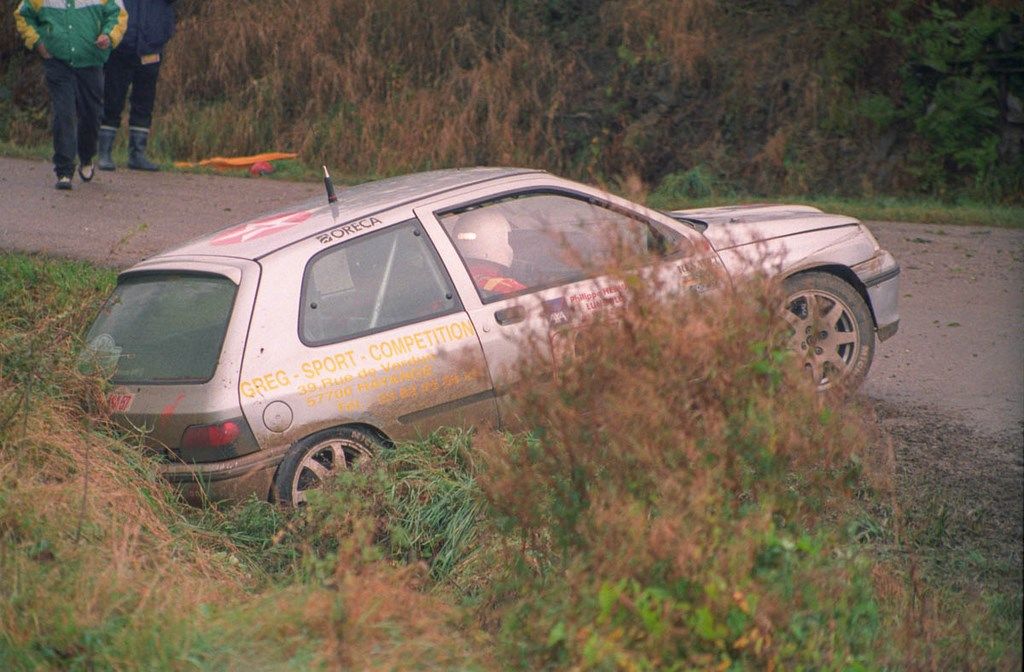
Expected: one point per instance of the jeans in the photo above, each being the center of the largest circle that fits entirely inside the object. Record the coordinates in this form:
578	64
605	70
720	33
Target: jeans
121	71
76	97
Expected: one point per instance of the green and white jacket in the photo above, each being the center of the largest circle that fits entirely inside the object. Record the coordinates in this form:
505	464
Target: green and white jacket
69	28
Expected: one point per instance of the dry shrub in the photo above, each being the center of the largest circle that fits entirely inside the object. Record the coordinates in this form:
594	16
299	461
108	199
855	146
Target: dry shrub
379	619
670	491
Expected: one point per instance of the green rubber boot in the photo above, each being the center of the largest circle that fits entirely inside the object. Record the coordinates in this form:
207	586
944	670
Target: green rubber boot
106	146
137	139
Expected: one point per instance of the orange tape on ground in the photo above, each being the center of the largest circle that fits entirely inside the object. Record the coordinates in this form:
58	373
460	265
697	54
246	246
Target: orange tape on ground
236	161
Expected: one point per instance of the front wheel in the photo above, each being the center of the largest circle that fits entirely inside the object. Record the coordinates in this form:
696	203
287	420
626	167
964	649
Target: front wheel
315	459
832	330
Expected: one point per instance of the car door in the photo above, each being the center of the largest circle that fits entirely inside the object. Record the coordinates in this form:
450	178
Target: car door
528	264
382	340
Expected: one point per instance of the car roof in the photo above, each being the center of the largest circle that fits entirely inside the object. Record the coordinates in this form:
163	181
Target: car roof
262	235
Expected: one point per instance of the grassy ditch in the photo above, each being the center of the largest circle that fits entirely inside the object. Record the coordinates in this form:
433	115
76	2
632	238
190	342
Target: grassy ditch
101	567
677	498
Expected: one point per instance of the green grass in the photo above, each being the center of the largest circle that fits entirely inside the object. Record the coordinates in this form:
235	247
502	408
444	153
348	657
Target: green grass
929	211
881	209
18	151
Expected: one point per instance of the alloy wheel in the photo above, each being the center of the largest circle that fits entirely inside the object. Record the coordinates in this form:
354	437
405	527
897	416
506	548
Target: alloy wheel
824	334
323	461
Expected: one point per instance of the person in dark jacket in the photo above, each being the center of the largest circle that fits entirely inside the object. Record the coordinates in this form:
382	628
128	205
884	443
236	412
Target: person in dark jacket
135	64
74	39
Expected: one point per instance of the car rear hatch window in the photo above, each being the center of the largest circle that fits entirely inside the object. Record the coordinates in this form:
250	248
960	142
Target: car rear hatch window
161	328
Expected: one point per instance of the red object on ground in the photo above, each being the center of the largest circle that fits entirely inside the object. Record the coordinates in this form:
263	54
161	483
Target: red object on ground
237	161
261	168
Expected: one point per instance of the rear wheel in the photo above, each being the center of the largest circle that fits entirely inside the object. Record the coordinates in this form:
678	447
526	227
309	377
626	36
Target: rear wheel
311	462
832	330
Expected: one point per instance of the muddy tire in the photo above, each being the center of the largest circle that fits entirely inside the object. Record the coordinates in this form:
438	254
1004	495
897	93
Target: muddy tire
311	462
833	334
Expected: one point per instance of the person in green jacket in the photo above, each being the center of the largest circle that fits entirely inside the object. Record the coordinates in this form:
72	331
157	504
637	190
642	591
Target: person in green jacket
74	38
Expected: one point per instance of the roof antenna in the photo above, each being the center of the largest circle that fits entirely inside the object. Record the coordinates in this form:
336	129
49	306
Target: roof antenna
329	186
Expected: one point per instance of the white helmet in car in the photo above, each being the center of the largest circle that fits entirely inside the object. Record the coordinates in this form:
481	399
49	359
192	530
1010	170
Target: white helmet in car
483	234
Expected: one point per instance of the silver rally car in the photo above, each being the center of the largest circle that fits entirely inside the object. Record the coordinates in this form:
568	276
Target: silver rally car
264	357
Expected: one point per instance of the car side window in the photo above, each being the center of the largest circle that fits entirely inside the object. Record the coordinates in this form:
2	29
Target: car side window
540	240
378	281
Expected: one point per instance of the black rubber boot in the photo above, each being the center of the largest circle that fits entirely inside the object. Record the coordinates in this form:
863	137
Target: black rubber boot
106	145
137	139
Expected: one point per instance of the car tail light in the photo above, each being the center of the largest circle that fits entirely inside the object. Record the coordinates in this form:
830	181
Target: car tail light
218	435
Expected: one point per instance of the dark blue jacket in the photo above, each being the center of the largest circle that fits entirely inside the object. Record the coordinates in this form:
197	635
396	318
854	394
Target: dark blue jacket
150	25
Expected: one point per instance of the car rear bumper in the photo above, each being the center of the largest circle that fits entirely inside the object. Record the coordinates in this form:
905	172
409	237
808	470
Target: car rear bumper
231	480
881	278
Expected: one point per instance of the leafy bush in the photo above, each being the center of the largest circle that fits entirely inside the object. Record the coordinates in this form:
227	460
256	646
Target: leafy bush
659	503
694	184
674	496
952	95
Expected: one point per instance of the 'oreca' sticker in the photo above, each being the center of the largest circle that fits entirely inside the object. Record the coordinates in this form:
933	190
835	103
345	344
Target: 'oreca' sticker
260	228
120	402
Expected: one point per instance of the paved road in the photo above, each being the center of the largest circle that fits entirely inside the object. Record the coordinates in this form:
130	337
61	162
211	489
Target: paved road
960	350
124	216
960	347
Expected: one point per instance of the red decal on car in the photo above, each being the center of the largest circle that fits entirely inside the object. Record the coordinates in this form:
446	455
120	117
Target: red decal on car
120	402
171	407
260	228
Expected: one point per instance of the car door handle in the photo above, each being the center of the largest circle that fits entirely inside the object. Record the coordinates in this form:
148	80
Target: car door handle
510	315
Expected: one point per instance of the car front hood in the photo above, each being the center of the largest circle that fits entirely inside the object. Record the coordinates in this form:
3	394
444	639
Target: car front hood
735	226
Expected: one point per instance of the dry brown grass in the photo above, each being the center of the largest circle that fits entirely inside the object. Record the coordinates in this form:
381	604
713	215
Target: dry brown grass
374	88
92	542
89	538
100	566
680	33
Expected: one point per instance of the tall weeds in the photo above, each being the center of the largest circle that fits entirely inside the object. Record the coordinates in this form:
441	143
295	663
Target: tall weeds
374	88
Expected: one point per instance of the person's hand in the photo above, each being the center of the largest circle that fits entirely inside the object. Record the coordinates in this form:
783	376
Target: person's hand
103	41
41	48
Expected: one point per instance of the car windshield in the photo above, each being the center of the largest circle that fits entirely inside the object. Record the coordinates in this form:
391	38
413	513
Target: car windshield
161	328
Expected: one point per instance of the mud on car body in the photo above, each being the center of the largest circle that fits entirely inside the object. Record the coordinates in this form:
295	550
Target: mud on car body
263	357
